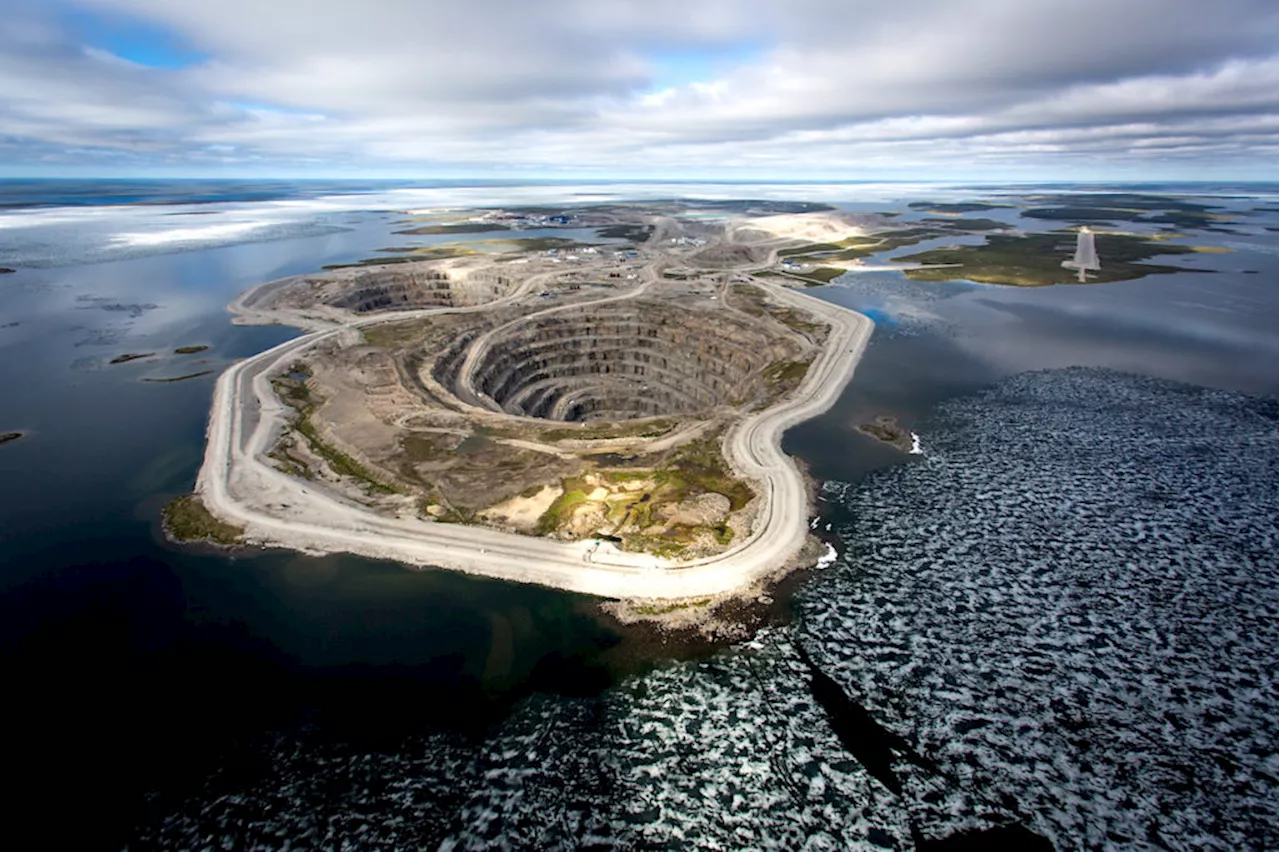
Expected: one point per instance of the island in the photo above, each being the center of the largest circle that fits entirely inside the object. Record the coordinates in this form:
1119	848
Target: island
1035	260
130	356
602	418
887	430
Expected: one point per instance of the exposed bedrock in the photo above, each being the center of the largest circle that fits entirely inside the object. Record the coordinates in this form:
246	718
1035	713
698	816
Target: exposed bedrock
621	361
389	290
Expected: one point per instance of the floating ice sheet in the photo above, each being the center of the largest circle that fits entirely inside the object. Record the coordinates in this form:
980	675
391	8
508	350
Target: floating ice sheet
1071	606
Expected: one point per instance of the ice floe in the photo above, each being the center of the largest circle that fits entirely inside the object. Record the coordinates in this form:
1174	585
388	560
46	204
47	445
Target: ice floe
1082	628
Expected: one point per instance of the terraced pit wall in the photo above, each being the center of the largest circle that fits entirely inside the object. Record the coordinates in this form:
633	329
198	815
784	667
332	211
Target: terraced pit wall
623	361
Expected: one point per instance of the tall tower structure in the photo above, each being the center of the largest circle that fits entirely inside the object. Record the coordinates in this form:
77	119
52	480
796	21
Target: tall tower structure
1086	257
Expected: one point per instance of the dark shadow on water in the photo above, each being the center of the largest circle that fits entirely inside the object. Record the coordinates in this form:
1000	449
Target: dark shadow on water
119	686
878	748
1005	838
107	688
870	744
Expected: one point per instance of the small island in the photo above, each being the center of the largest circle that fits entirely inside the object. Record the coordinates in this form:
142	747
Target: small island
458	228
887	430
6	437
189	350
957	208
130	356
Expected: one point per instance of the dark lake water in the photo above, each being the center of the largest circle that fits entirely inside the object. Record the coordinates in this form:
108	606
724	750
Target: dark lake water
131	666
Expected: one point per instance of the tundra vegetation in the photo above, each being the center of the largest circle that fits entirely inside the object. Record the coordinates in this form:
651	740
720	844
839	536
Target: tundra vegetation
186	519
1035	260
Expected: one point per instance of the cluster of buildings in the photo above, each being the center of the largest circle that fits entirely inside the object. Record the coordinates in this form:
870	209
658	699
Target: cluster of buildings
527	220
559	255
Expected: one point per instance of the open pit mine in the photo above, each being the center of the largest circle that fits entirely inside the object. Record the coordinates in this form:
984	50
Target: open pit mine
604	419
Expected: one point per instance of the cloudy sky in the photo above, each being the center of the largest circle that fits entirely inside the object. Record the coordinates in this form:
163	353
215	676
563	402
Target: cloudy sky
739	89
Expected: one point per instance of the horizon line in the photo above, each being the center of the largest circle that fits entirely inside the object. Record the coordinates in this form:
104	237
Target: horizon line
711	180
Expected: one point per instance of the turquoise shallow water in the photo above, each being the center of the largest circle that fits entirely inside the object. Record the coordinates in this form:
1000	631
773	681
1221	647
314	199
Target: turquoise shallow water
140	669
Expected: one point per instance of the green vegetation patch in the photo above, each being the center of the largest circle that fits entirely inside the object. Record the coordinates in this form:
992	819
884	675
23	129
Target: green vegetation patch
668	608
457	515
961	207
441	252
418	254
287	462
1083	214
608	431
887	430
1036	260
792	320
657	545
786	375
187	519
292	387
1191	219
858	248
293	391
189	350
748	299
392	335
698	467
130	356
6	437
811	248
969	224
370	261
683	472
754	301
426	447
457	228
540	244
479	441
817	275
338	461
559	512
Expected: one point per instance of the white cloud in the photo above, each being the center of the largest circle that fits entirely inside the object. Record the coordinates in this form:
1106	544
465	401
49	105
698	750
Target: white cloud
834	87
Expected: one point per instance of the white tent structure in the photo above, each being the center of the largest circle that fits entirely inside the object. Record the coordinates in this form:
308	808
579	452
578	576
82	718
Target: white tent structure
1086	257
